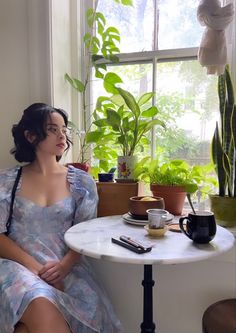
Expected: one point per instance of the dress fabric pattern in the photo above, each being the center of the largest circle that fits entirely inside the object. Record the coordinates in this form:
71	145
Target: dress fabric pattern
40	232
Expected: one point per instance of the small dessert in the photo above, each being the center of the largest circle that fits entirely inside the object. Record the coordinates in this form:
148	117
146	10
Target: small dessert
148	199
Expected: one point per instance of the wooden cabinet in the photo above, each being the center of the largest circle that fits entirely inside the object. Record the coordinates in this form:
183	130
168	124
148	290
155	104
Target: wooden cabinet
114	197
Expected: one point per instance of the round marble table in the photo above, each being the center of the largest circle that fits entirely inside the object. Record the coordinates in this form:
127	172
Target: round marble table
93	238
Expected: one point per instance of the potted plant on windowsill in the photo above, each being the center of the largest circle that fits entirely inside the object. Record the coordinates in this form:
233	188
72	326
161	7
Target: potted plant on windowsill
82	161
223	154
173	179
122	124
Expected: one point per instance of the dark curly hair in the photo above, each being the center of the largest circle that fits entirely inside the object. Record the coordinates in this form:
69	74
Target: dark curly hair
34	120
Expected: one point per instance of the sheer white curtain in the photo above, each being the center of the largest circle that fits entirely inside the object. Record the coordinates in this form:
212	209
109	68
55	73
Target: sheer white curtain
231	40
216	18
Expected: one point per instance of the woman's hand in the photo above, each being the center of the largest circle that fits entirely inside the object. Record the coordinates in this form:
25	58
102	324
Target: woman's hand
59	286
53	272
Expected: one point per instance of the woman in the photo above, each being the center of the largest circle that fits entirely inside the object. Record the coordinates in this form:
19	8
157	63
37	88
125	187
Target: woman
46	287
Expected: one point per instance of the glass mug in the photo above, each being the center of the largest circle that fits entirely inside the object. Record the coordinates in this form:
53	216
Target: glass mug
200	227
157	218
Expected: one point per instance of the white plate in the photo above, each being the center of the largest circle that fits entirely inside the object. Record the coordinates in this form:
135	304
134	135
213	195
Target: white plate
128	219
140	223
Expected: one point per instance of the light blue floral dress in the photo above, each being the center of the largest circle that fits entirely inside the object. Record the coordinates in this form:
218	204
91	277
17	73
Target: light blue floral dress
39	231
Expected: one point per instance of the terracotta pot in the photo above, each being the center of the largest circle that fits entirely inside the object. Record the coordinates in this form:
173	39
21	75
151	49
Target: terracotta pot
224	209
173	195
82	166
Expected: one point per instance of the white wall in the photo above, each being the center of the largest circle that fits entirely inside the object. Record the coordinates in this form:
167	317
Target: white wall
14	69
24	64
66	58
64	20
61	52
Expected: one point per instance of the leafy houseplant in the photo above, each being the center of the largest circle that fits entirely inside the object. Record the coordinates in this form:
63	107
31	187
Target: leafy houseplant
172	180
121	122
223	152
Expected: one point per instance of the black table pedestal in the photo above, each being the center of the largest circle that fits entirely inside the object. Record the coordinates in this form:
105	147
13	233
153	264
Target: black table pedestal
147	325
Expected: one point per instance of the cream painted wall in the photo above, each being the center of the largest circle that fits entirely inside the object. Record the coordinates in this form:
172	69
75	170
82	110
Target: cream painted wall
66	55
61	52
24	64
61	29
14	69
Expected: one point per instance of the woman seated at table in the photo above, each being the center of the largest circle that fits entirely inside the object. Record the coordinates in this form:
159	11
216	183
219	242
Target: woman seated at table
46	287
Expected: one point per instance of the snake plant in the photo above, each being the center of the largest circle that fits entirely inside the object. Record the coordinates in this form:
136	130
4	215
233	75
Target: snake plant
223	148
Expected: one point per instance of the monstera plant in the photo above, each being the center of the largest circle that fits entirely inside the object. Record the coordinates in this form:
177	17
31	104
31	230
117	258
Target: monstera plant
224	153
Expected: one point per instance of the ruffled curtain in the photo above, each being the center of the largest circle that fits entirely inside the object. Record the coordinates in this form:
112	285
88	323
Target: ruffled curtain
231	42
212	52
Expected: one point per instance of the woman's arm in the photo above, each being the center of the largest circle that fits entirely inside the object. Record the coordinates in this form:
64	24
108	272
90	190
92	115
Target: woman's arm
10	250
70	259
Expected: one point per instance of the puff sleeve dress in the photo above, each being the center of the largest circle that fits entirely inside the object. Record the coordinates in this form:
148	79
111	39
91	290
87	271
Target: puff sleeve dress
40	232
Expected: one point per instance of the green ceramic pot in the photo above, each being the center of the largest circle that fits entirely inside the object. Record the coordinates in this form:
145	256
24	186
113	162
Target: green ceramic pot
224	209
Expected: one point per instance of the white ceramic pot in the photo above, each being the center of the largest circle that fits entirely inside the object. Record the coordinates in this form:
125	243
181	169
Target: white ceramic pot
125	166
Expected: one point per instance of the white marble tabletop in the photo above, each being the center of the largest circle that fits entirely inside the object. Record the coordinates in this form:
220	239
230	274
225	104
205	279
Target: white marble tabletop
93	238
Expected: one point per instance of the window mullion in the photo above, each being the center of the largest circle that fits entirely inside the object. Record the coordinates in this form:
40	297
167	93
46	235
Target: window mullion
156	25
154	71
154	89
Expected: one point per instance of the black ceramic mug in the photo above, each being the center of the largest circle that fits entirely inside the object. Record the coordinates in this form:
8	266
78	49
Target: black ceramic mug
200	227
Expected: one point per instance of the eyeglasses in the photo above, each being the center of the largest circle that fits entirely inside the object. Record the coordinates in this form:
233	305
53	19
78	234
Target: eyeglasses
54	129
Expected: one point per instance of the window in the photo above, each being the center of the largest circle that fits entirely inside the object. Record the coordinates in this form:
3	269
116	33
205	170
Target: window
154	24
159	40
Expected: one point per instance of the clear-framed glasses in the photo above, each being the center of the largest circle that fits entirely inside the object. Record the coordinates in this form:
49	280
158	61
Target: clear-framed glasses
54	129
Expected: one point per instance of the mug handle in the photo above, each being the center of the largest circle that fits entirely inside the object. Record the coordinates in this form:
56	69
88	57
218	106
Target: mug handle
181	220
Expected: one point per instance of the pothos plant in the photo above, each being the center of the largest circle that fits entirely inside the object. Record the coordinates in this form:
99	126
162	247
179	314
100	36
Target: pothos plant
121	122
99	45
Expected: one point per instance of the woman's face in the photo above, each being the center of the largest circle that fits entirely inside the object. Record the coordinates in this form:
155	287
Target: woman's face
55	142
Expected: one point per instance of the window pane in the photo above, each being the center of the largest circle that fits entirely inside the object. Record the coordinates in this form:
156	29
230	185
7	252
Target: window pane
136	79
188	102
176	20
178	25
135	24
